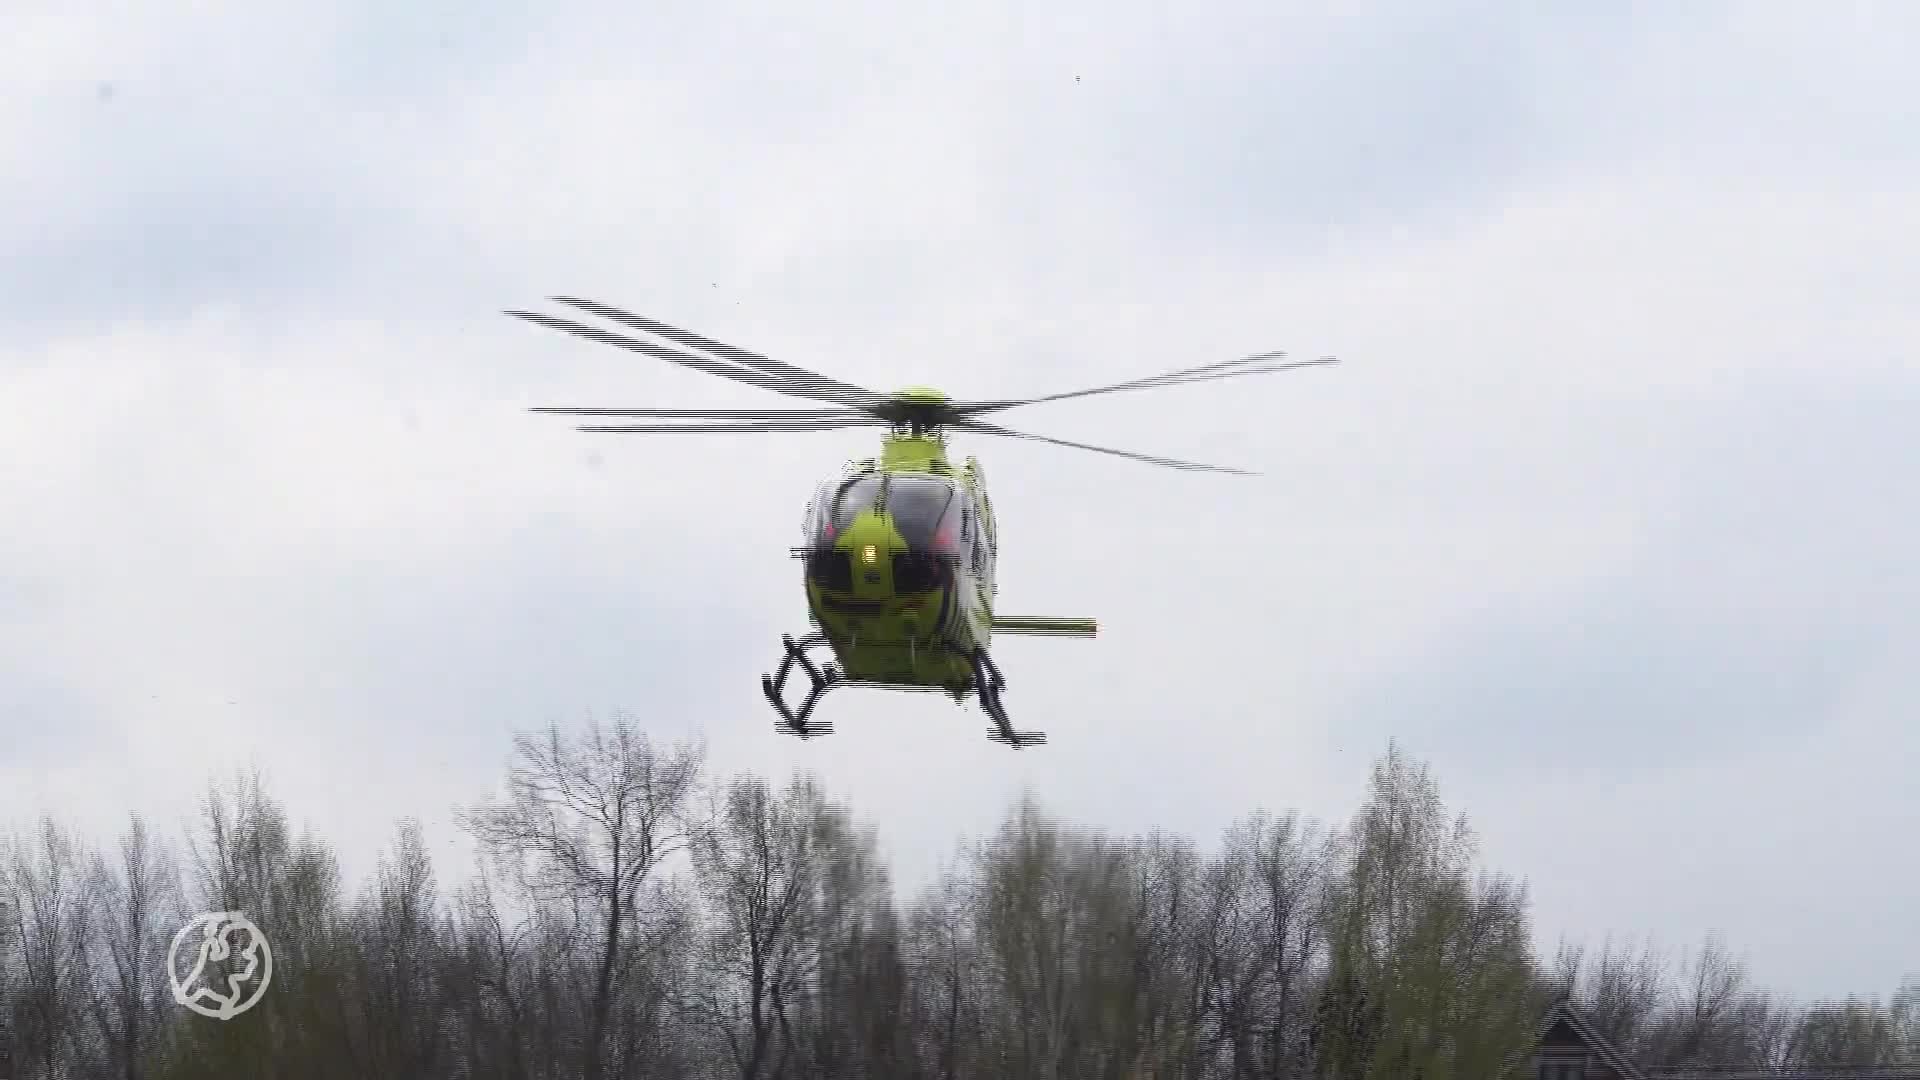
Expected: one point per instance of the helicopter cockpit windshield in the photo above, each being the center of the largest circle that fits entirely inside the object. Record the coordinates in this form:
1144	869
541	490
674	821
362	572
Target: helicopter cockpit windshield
924	510
838	504
925	513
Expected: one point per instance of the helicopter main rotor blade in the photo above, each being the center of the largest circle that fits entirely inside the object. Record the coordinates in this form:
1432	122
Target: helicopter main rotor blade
1172	463
675	356
740	426
1171	378
1262	364
815	385
709	414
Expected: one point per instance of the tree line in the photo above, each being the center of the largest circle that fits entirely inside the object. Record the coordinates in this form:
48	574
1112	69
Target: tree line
632	917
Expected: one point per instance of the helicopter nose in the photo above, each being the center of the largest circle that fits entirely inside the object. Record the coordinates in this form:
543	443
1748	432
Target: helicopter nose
870	546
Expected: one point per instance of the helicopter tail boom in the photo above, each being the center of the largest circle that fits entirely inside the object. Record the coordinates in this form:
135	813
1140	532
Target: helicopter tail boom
1045	626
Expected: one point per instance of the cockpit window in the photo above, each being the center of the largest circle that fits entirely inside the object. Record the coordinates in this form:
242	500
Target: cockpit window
925	512
848	501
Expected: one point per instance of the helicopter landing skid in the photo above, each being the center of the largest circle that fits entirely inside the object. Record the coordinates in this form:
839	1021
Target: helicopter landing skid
988	684
823	678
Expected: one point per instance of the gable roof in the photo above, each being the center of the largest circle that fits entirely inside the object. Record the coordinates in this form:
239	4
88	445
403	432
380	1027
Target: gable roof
1565	1013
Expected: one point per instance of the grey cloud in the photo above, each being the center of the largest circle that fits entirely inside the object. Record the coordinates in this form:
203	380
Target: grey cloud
1279	134
218	174
47	718
268	161
1771	572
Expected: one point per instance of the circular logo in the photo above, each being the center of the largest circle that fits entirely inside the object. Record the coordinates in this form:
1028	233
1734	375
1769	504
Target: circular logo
231	976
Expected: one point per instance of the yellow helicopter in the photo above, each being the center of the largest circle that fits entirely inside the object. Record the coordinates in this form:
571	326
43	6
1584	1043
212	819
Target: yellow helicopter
899	550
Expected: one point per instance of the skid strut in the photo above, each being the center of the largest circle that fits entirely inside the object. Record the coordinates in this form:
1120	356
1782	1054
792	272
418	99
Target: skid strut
823	678
988	684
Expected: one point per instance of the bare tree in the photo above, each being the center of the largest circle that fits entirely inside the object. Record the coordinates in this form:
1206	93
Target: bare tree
1029	931
1850	1034
1160	1015
856	1011
139	897
586	822
1258	932
1621	990
48	900
1703	1029
1291	862
761	864
1229	973
492	964
583	949
1066	927
247	859
944	997
400	960
1904	1009
241	843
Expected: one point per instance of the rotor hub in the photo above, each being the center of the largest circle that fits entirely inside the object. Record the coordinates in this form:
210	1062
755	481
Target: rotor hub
918	409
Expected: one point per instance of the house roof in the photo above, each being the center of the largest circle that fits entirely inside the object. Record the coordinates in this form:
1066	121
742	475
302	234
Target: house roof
1582	1028
1598	1044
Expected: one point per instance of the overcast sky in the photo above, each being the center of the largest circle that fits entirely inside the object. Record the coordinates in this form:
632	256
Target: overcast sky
1609	513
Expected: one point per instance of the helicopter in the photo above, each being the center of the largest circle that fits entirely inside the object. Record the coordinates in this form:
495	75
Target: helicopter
899	551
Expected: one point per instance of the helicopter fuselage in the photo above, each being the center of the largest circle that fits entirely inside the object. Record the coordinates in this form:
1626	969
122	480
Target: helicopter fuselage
900	551
899	554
